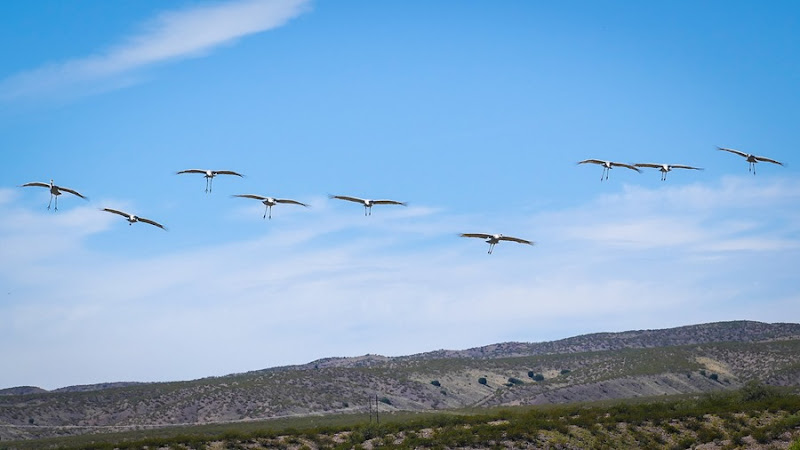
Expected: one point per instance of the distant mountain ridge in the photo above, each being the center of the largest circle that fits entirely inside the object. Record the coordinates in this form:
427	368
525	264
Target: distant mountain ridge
601	366
732	331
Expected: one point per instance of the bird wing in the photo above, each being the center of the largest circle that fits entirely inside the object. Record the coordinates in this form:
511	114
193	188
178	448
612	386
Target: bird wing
627	166
228	172
514	239
257	197
476	235
740	153
761	158
72	191
142	219
349	199
681	166
36	183
388	202
191	171
287	200
592	161
655	166
115	211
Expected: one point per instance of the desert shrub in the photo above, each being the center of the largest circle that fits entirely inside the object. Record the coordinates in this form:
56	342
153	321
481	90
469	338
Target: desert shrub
385	400
755	391
709	434
436	383
565	371
714	377
685	442
482	380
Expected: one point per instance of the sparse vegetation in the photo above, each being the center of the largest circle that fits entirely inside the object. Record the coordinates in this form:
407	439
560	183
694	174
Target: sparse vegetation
338	387
685	422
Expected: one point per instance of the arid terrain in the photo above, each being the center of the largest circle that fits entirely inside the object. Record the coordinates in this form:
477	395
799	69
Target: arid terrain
606	366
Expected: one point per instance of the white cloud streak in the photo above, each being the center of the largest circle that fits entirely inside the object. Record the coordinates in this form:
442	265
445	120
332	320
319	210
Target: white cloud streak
401	282
169	36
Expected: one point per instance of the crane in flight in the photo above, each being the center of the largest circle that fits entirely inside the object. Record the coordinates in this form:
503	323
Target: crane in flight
269	202
209	175
664	168
55	191
493	239
131	218
752	159
607	166
368	204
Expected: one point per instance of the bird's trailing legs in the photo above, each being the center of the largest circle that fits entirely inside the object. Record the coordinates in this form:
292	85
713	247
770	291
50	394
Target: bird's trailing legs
51	202
209	180
367	208
269	208
604	175
491	247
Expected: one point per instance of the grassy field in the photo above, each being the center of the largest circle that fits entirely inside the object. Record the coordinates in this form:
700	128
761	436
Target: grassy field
753	416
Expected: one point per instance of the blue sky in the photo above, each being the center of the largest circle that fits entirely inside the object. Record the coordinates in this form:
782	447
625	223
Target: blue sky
475	113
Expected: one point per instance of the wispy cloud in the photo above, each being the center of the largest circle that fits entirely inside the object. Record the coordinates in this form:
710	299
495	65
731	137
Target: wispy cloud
170	35
400	282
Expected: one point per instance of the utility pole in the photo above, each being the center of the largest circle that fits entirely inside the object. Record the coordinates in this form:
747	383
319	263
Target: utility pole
377	419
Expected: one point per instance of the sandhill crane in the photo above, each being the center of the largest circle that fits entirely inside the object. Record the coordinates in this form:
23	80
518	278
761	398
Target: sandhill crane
493	239
752	159
664	168
55	191
368	204
269	202
133	218
607	165
209	175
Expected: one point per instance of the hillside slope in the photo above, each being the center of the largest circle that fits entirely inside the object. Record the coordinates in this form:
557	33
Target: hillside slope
694	359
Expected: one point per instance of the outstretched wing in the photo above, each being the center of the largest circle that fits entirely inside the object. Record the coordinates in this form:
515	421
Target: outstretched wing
514	239
349	199
740	153
764	159
191	171
654	166
151	222
476	235
388	202
287	200
36	183
116	211
228	172
592	161
71	191
680	166
257	197
627	166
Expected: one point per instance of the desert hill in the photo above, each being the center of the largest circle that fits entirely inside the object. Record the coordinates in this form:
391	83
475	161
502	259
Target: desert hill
691	359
